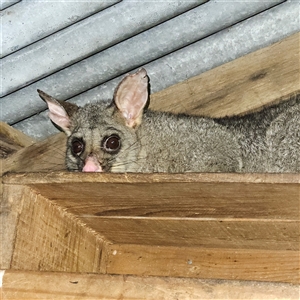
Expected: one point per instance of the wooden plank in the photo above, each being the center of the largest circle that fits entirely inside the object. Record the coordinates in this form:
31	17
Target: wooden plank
201	232
48	238
245	84
241	264
11	206
236	215
15	136
42	285
7	148
177	200
11	141
47	155
79	222
135	178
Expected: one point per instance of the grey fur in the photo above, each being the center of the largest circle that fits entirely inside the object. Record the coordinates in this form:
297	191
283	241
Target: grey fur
264	141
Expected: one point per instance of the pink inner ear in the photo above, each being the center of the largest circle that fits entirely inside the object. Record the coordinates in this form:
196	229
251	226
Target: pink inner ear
131	96
58	115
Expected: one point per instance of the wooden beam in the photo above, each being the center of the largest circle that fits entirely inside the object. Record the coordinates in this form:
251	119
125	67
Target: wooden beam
11	140
137	178
15	136
228	226
42	285
7	148
11	207
243	85
46	237
44	156
205	263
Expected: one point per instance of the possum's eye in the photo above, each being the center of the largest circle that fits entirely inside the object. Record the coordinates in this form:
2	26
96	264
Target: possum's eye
111	144
77	146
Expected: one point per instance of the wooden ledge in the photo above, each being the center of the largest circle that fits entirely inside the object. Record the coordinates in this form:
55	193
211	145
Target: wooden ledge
45	285
68	177
213	226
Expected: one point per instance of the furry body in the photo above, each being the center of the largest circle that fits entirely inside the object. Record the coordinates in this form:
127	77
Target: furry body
123	136
265	141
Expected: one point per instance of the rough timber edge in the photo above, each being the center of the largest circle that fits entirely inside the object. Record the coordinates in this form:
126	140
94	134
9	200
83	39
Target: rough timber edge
37	285
68	177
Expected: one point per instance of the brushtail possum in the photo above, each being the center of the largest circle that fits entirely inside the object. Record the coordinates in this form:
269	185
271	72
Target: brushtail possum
124	136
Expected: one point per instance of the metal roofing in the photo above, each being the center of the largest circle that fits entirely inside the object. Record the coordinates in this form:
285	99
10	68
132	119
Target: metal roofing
78	51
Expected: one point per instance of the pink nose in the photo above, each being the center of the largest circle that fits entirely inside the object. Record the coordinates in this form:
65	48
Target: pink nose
91	165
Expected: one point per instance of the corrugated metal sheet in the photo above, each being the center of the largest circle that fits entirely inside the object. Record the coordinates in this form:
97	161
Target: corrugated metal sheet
6	3
79	50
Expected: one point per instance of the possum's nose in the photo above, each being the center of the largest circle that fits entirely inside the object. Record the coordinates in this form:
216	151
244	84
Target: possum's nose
92	164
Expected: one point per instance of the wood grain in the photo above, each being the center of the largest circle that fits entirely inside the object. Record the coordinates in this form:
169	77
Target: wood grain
78	222
202	232
15	136
49	239
44	156
10	208
11	141
42	285
7	148
241	264
246	84
177	200
136	178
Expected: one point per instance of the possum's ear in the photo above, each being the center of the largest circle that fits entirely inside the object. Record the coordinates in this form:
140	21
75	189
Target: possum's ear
60	112
131	96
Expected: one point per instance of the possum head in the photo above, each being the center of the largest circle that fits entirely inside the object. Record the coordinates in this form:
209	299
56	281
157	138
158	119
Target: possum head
103	137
